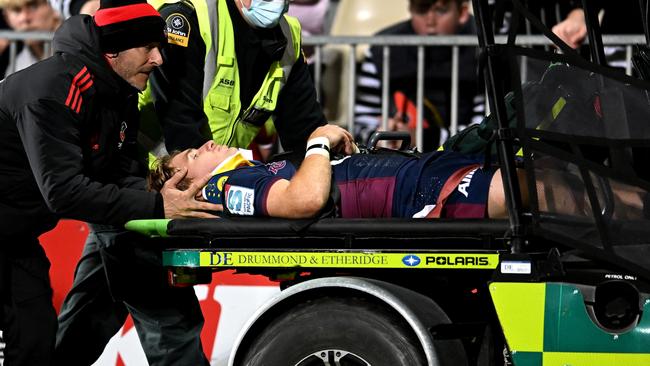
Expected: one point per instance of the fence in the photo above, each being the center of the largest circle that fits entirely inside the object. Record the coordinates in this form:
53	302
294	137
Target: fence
352	43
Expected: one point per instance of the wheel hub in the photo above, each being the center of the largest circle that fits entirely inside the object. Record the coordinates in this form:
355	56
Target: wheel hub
333	357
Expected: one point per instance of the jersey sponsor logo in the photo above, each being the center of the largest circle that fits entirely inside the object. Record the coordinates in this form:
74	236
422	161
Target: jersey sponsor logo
212	190
276	166
240	200
221	182
81	82
411	260
465	183
178	30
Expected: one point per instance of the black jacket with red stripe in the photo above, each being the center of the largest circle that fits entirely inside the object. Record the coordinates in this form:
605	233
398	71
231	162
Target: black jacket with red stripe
68	127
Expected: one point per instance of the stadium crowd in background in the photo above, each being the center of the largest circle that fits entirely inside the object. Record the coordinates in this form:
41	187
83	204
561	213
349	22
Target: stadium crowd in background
24	16
428	17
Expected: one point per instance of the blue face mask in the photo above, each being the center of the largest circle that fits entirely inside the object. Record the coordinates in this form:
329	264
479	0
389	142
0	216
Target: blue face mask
265	13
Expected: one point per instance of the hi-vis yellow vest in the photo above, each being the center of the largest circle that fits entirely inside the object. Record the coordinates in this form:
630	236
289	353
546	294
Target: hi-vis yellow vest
229	121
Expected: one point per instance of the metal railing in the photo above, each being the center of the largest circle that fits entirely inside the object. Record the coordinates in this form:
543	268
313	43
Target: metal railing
15	37
454	41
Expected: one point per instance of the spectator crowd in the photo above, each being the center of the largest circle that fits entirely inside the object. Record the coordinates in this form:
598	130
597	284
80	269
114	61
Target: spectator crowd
425	18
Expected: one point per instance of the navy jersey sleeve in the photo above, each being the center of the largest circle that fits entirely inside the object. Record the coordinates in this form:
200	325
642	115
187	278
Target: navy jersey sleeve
244	191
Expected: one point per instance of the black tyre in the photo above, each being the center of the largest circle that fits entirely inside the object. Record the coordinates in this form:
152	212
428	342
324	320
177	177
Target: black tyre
335	331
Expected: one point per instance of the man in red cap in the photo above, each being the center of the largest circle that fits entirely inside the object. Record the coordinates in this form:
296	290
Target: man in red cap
68	127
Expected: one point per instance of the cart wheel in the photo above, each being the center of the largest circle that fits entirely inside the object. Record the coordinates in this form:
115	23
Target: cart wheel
335	331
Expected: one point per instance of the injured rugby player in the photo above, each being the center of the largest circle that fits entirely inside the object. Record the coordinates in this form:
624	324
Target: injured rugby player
433	185
438	184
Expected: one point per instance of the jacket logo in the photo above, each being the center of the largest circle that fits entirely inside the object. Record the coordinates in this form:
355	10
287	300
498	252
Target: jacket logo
228	82
177	22
123	128
178	30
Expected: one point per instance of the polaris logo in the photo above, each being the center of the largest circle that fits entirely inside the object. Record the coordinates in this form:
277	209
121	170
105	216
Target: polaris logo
457	261
411	260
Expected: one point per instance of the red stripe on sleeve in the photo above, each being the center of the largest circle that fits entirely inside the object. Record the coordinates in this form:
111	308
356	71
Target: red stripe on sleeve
85	83
70	92
82	81
79	105
123	13
75	100
76	78
85	87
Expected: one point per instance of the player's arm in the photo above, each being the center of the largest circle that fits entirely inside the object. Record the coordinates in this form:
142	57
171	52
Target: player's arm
307	192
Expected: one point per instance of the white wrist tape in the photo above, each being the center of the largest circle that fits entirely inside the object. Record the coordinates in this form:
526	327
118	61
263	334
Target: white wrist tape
319	141
318	151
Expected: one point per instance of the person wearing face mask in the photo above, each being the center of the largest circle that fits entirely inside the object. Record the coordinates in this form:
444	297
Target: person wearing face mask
231	66
253	74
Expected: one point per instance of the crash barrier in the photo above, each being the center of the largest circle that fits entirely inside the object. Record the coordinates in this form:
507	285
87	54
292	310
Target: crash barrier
346	52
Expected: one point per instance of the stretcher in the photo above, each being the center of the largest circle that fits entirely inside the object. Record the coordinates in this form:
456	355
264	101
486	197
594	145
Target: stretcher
560	282
329	244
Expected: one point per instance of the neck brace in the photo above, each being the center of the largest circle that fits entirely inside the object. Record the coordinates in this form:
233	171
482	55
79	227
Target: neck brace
214	187
241	157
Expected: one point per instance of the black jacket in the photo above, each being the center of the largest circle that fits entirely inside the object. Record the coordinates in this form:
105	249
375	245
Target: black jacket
177	86
68	127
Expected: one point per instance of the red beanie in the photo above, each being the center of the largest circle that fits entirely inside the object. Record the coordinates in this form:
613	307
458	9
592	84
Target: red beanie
125	24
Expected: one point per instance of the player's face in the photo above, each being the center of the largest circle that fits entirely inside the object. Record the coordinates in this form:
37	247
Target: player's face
202	161
135	64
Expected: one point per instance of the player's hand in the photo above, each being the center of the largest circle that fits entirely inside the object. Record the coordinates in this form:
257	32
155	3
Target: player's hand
340	139
183	204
